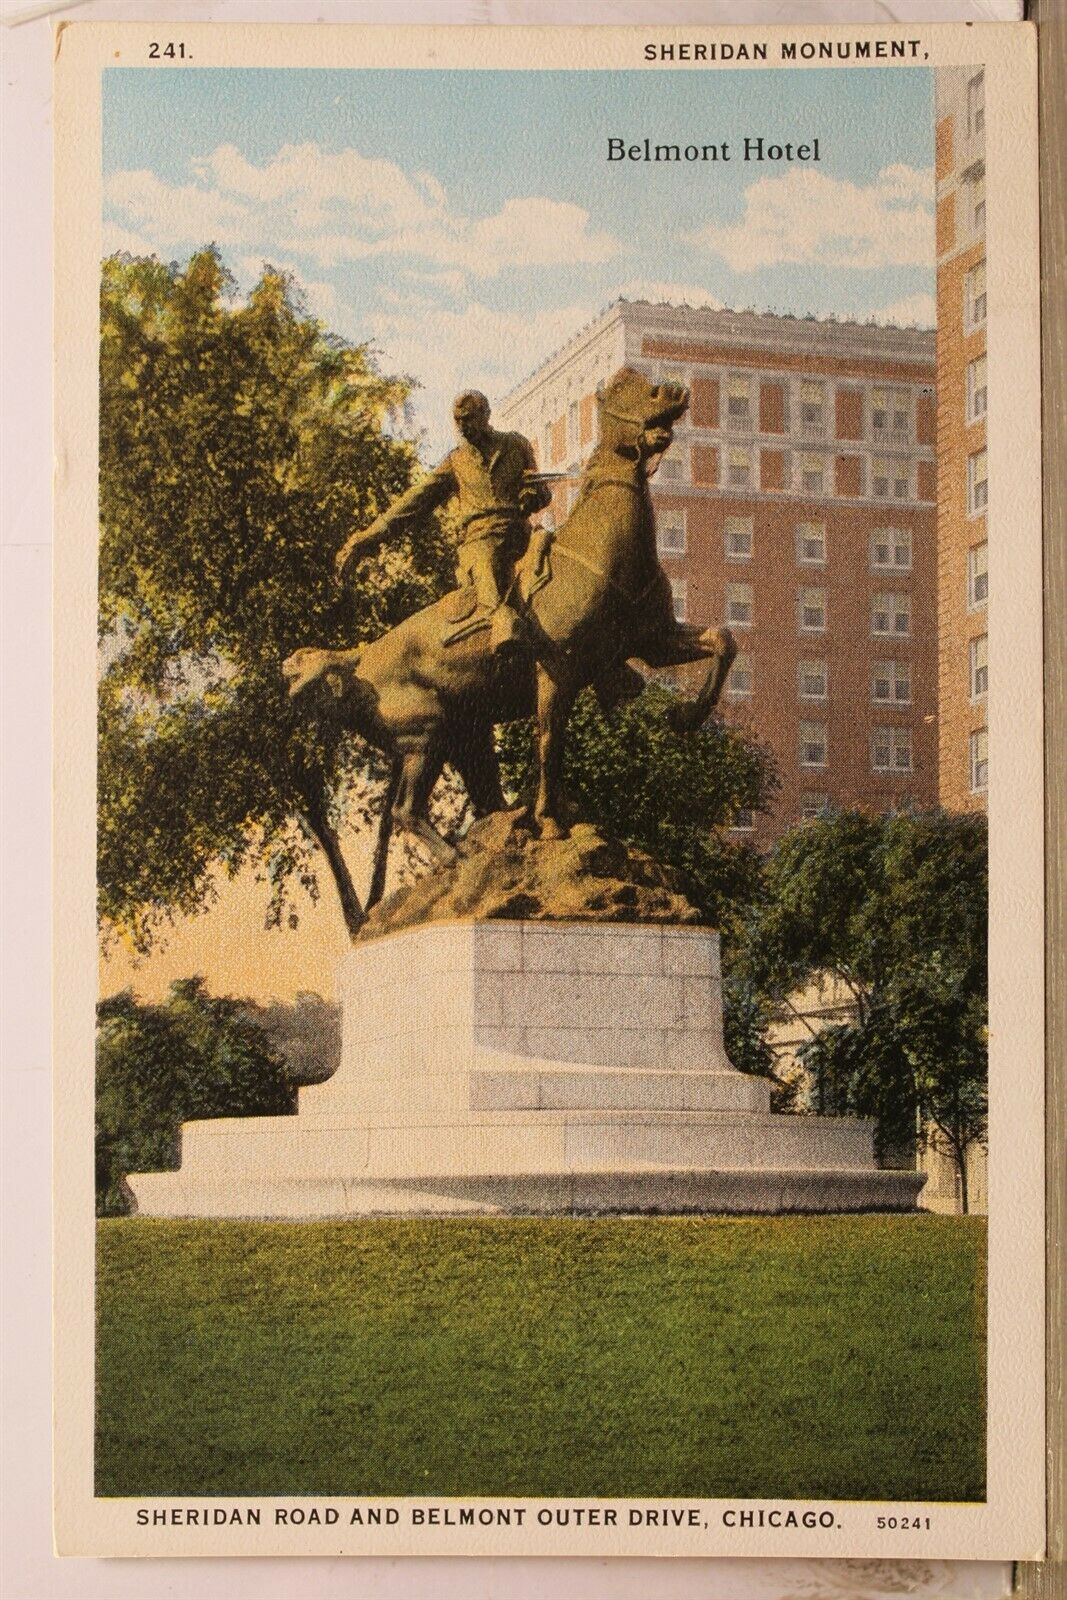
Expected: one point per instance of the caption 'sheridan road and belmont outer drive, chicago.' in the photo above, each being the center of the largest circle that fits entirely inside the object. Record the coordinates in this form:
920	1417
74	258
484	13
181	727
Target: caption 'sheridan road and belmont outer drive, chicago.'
548	810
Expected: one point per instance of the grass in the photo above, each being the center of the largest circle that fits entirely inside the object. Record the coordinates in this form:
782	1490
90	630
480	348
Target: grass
795	1357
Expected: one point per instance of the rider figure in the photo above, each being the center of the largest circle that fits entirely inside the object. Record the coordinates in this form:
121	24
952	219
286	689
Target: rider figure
494	480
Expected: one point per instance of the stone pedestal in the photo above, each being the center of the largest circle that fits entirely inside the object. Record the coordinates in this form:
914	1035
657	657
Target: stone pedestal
529	1067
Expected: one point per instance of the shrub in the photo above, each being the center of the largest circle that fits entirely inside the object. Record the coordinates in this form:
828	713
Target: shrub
158	1066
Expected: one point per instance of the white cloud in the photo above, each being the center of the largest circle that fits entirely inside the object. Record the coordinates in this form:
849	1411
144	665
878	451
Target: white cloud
537	232
453	280
118	240
330	207
919	310
804	216
173	213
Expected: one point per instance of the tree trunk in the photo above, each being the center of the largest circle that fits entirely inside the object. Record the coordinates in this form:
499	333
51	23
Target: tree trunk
960	1152
351	905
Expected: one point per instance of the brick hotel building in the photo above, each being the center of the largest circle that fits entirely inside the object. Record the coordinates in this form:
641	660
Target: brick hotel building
797	505
963	580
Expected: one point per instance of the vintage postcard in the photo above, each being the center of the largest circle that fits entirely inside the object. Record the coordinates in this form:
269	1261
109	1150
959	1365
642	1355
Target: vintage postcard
548	814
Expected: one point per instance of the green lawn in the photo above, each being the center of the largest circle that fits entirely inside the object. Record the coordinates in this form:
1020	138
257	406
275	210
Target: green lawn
798	1357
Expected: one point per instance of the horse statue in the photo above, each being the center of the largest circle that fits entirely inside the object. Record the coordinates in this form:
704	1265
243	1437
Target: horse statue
597	601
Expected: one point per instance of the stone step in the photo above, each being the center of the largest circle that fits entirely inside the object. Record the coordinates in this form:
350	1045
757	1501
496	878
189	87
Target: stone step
666	1191
530	1085
522	1141
576	1089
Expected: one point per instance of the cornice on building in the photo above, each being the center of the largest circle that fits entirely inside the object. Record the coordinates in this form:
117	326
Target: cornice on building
776	332
815	336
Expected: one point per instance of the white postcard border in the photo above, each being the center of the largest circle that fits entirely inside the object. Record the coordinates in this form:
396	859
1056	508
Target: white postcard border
1011	1522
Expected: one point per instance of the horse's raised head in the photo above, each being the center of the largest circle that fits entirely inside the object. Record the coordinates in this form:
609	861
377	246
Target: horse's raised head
325	667
638	415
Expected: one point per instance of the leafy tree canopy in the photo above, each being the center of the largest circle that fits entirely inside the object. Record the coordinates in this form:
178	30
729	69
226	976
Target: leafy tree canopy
668	793
895	909
871	901
239	446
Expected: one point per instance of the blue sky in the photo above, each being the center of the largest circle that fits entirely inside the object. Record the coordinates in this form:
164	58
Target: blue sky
467	222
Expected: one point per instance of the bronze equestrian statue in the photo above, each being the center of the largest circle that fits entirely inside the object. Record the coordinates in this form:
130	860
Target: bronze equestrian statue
598	600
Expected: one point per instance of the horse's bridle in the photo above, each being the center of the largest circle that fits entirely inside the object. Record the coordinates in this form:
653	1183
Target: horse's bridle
640	423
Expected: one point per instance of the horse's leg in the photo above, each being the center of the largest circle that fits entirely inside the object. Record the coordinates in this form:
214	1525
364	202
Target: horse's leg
682	647
474	758
689	715
330	845
385	831
420	768
553	704
619	684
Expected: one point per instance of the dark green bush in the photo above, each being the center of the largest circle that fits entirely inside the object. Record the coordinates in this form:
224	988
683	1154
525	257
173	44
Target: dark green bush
158	1066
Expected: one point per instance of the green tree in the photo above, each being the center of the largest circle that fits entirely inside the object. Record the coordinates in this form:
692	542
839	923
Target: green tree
239	446
158	1066
668	793
748	1017
894	910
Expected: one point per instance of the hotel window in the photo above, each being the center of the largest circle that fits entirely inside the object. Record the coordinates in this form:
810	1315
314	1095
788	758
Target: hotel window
812	474
974	305
739	467
891	615
811	544
891	550
739	683
670	533
813	805
976	104
738	538
744	820
674	467
572	427
977	193
813	409
977	575
880	478
976	389
739	400
979	653
811	610
901	480
813	744
739	604
678	595
811	680
891	683
880	412
977	483
979	760
891	416
891	750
